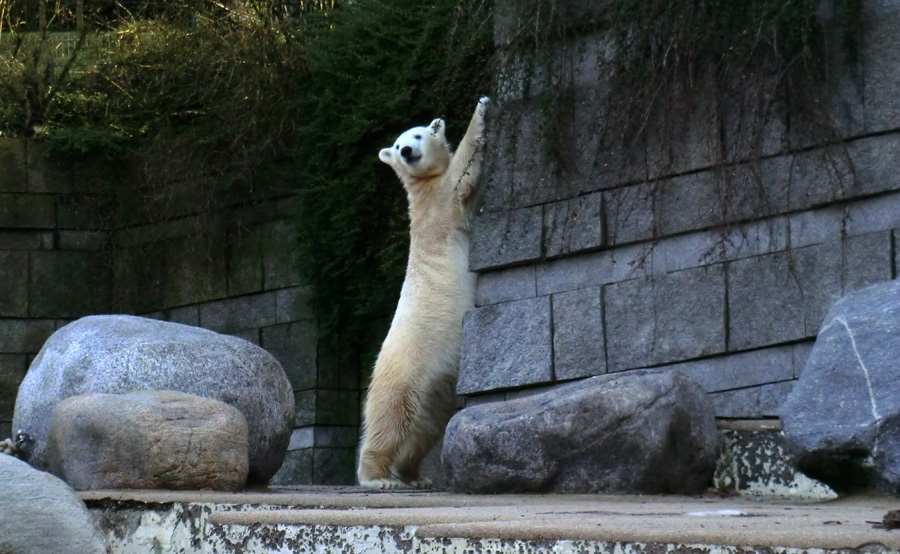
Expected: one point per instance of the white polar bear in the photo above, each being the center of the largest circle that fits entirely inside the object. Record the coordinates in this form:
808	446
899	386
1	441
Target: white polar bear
413	391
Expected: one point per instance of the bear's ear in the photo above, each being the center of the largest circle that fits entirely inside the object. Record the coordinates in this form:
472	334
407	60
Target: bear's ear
386	155
437	128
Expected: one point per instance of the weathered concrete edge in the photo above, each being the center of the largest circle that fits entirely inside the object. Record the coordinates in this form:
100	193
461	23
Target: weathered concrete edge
530	531
440	539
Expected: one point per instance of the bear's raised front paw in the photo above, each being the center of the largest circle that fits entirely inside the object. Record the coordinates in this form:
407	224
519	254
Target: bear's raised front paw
384	483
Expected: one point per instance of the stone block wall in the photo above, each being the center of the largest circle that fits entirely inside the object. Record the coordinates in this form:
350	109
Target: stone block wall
597	257
89	238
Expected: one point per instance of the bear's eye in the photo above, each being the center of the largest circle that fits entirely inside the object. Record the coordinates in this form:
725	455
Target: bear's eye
418	137
396	147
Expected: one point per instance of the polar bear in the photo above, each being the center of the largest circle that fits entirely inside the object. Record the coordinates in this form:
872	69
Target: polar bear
413	390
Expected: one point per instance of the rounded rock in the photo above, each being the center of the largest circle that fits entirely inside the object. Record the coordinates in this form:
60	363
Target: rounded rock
116	354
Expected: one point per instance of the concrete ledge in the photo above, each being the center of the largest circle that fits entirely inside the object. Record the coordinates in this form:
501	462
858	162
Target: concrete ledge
305	519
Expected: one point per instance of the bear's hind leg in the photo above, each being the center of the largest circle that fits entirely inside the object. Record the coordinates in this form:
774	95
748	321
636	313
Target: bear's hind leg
389	420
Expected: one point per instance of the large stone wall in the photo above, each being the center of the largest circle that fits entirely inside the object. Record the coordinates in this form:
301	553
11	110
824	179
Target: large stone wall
597	257
81	238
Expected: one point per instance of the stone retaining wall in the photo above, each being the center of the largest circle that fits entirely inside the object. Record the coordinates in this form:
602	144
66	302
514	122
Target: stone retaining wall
595	257
81	238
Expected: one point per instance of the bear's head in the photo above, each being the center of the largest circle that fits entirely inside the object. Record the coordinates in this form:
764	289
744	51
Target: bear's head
419	153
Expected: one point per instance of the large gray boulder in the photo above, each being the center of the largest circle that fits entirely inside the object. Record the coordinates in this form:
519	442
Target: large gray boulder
40	514
117	354
148	440
636	432
842	418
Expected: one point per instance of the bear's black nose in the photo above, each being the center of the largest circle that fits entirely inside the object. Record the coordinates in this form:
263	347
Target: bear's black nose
406	151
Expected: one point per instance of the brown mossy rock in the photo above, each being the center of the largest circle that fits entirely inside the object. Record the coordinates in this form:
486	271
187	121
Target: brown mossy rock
148	440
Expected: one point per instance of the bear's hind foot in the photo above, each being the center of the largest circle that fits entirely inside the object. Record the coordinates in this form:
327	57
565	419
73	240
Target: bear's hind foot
421	483
383	483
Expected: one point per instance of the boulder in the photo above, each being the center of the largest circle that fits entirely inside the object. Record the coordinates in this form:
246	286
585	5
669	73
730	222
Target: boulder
842	418
116	354
148	440
640	432
41	514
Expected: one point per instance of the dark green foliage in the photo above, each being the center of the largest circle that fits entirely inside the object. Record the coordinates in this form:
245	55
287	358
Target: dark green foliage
377	67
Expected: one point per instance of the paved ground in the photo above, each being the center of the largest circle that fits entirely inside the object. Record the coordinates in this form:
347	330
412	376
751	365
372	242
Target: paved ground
845	523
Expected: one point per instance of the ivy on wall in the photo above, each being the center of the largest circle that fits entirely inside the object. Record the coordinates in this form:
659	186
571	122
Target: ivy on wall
296	97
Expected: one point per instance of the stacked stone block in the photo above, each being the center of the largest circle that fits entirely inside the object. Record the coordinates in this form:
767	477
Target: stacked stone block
53	259
607	257
91	237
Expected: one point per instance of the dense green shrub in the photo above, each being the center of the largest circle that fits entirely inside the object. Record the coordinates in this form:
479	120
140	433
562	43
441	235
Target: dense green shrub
304	94
377	67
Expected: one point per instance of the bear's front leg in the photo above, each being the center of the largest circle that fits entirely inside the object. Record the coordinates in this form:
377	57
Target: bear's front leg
465	167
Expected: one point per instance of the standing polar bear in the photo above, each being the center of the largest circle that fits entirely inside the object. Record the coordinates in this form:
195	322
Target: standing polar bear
413	390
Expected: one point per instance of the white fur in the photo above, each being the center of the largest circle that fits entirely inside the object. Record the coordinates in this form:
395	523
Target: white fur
413	389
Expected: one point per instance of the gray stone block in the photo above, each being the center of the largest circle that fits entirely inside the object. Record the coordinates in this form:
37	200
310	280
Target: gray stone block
630	324
91	241
12	162
578	338
505	238
881	59
24	335
138	282
234	314
337	407
753	402
871	215
304	437
818	226
334	466
250	335
875	165
245	265
598	268
756	189
573	225
629	212
12	371
81	211
32	211
336	437
13	283
477	399
45	172
744	369
305	407
186	315
520	167
867	260
195	269
506	345
680	140
13	239
294	304
294	346
281	267
664	319
781	297
801	355
720	245
821	176
753	124
296	469
53	276
506	284
689	203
